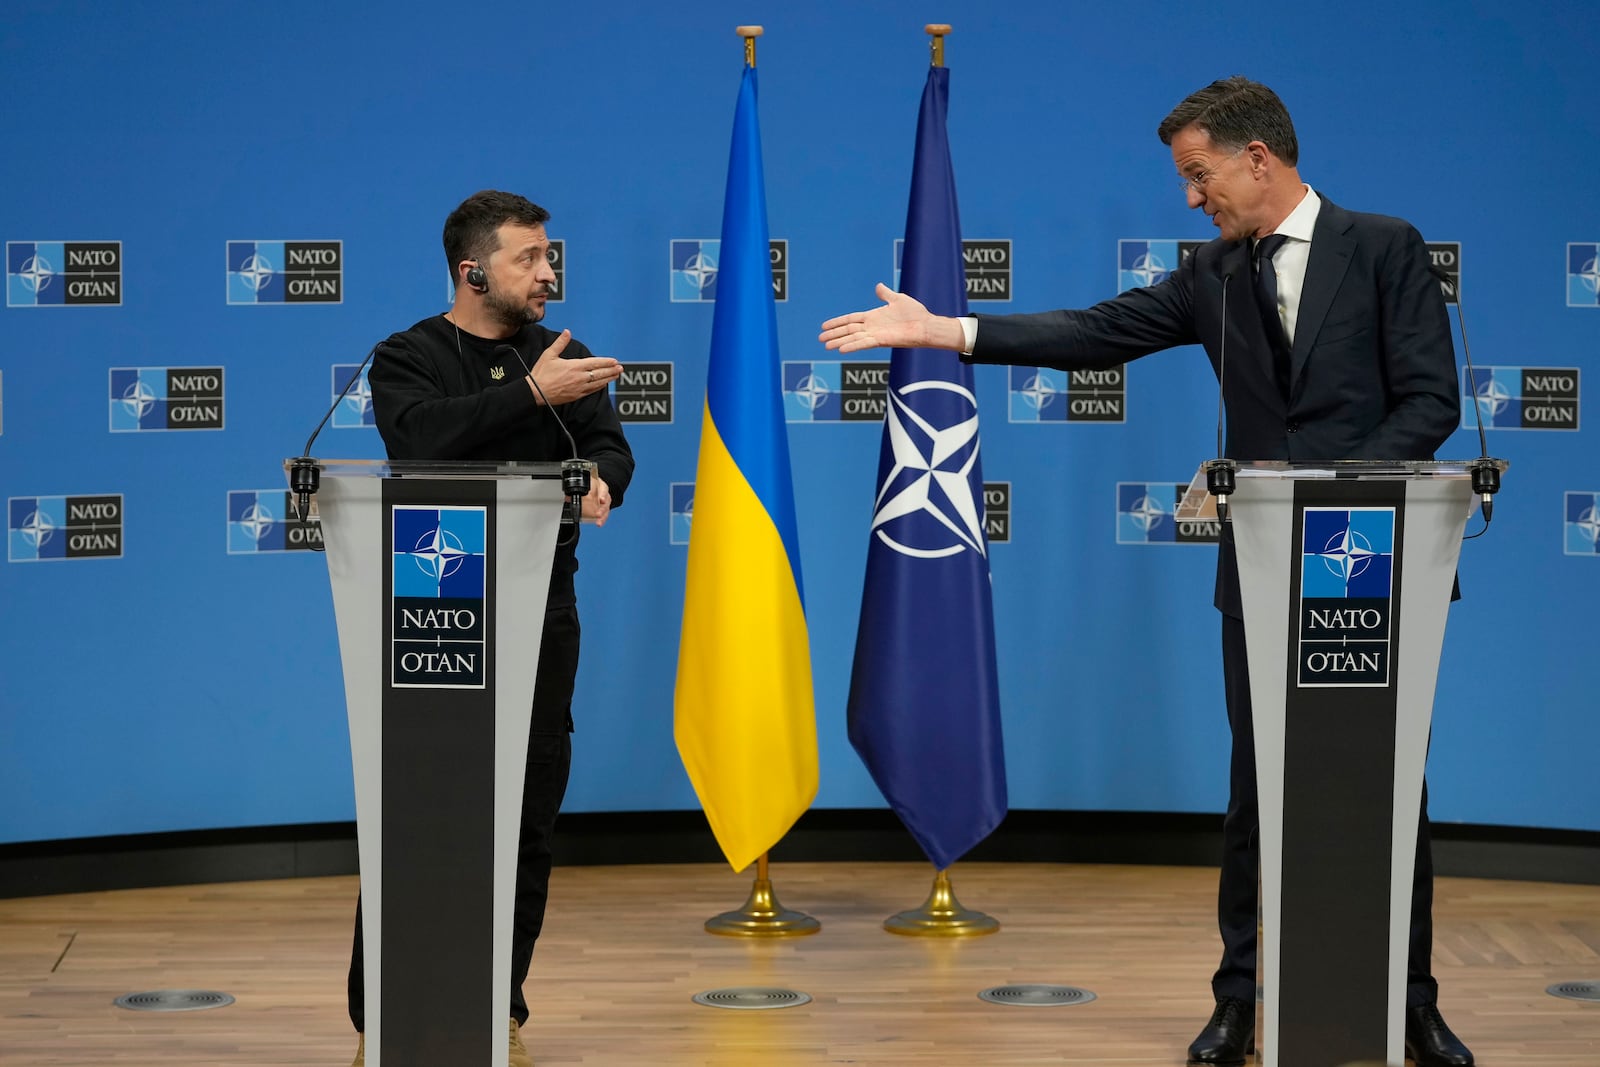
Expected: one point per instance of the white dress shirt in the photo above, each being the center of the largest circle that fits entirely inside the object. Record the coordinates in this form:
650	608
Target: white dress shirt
1289	262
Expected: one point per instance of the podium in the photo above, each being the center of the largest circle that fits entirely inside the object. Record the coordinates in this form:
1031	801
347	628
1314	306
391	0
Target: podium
1345	574
440	573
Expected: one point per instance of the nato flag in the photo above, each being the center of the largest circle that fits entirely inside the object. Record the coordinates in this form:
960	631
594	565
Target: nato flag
924	708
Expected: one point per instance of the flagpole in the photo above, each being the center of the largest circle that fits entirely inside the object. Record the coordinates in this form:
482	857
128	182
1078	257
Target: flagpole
749	33
941	915
762	915
937	31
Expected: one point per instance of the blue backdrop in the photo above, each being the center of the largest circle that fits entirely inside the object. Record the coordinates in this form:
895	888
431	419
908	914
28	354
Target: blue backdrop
151	151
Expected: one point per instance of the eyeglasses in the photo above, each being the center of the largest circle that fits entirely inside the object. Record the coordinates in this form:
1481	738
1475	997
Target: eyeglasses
1197	182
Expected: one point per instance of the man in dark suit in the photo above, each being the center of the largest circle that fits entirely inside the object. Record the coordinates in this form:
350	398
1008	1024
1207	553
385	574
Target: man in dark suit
1337	348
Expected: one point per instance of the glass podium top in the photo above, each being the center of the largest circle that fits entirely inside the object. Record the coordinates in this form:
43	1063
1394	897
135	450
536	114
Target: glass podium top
1367	468
385	468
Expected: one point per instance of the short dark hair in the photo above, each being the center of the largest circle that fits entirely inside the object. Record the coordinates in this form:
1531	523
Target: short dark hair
1233	112
473	230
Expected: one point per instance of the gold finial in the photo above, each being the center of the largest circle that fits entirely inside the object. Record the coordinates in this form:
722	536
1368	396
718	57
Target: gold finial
937	31
749	33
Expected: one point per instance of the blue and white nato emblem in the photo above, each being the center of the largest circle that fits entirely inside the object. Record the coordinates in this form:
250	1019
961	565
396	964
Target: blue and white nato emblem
285	272
266	520
166	398
440	597
680	511
1141	262
1583	274
835	391
63	273
1581	530
1346	597
1521	398
931	502
986	263
694	270
1147	514
355	409
1043	394
63	527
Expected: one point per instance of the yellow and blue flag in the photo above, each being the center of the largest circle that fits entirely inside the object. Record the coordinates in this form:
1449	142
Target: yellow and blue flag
744	718
924	709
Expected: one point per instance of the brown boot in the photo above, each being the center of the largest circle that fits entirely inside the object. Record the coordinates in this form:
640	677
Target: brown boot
520	1056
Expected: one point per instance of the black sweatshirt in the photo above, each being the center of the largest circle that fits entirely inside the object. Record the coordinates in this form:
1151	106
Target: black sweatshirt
435	401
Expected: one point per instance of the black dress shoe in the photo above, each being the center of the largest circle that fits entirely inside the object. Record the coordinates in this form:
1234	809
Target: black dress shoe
1230	1035
1430	1042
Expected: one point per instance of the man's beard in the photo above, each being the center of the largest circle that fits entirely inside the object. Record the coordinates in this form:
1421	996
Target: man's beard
511	315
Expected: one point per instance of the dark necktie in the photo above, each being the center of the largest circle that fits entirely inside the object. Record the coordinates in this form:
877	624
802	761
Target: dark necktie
1267	300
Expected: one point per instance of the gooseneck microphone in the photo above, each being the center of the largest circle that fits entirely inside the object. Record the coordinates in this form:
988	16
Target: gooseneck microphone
1485	471
574	471
305	477
1219	471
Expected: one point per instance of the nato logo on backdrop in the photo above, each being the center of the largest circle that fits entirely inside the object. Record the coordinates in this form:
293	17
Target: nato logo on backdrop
440	606
285	272
64	527
1446	255
1581	529
835	391
997	512
166	398
266	520
643	393
1145	262
987	262
355	409
557	256
1043	394
1583	274
1520	398
1346	597
1147	514
63	273
680	511
694	268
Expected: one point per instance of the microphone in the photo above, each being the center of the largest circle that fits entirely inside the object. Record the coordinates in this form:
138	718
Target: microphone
574	471
305	477
1485	471
1219	471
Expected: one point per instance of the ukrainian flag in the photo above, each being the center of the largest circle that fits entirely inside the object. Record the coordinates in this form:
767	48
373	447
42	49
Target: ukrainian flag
744	719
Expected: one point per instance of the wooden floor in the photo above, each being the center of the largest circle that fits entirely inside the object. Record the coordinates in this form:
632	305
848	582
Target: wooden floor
624	951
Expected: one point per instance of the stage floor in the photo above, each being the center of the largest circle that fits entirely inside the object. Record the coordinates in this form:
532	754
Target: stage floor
624	951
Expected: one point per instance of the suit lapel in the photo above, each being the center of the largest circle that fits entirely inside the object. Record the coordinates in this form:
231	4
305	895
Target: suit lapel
1331	248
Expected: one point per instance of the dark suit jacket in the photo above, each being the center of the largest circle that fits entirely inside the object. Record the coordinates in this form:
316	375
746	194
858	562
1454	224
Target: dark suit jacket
1373	368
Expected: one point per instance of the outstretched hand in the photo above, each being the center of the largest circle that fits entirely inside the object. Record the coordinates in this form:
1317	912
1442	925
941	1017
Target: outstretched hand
902	322
566	380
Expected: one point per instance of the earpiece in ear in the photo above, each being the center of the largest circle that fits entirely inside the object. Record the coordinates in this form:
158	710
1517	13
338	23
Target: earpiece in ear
477	278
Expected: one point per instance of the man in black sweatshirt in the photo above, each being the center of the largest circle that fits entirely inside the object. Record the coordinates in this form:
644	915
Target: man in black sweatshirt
484	381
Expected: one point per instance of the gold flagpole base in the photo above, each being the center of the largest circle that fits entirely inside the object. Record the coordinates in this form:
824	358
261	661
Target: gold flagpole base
762	915
941	916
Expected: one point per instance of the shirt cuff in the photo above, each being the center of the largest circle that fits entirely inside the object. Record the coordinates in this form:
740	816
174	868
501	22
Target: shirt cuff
969	333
